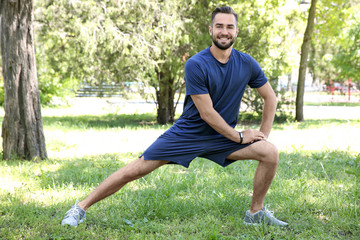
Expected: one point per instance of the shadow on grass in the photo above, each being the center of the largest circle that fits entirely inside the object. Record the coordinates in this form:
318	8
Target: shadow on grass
149	120
102	121
88	171
134	121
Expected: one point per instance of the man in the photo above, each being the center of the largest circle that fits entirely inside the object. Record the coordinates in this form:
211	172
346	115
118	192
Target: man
215	82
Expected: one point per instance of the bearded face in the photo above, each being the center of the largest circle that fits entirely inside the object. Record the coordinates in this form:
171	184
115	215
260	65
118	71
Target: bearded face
223	30
223	41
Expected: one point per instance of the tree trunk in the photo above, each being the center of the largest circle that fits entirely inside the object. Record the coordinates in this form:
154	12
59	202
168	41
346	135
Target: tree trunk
305	48
165	99
22	128
171	104
289	87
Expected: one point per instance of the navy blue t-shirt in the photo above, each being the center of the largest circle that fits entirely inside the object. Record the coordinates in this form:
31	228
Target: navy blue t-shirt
225	83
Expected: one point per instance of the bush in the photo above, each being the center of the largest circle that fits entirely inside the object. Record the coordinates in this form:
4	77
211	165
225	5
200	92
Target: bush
52	87
254	107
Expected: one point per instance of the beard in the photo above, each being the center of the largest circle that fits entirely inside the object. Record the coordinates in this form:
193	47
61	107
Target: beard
222	46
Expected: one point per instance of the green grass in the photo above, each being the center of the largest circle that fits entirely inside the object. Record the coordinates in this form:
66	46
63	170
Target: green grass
106	121
333	104
318	123
312	190
203	202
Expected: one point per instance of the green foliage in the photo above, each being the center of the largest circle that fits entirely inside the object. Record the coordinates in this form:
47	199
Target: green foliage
162	46
78	42
56	88
91	42
354	170
334	56
94	42
355	167
347	59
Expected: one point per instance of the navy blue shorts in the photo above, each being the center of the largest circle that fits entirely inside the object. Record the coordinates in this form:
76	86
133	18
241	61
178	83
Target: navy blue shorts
183	149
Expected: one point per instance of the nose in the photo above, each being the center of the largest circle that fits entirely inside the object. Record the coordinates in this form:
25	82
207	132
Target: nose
225	31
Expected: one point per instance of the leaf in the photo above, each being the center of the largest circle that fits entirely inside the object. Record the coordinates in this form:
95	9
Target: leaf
128	222
350	172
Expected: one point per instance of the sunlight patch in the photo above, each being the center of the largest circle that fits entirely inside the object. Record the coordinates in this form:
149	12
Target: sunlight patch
48	198
9	184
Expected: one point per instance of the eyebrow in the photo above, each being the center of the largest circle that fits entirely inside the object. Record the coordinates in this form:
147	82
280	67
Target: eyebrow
221	24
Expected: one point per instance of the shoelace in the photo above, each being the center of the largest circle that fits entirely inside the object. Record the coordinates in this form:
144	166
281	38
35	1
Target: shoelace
73	212
271	213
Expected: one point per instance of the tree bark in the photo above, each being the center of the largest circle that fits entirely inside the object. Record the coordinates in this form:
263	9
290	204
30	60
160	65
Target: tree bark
22	128
165	99
305	48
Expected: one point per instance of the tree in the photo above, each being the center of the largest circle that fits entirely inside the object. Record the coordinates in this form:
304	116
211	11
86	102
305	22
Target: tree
266	32
115	42
305	48
163	41
149	42
332	21
22	128
347	59
79	42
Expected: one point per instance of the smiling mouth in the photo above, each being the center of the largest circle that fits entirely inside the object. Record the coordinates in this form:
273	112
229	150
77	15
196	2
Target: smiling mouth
222	38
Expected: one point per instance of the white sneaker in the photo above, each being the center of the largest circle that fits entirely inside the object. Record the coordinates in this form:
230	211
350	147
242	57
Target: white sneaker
74	216
264	216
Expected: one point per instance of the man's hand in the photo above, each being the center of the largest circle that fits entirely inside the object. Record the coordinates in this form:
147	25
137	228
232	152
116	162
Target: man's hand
252	135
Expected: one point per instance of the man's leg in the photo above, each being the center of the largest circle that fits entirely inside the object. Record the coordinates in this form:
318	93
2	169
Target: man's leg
267	155
118	179
112	184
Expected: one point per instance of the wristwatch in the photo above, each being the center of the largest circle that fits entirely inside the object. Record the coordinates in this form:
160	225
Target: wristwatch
241	137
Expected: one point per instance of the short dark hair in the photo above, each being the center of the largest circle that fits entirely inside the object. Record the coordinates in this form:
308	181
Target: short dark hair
225	9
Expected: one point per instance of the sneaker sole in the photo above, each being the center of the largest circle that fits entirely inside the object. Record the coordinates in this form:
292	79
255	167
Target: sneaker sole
252	224
64	224
259	224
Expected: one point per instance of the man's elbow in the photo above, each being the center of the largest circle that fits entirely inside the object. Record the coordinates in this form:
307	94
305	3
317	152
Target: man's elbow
206	116
276	101
271	99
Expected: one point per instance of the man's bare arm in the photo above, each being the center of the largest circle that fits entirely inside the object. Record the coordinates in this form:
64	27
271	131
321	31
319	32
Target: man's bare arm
270	104
204	105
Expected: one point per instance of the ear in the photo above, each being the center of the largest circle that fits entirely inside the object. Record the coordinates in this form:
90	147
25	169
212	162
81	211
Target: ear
210	30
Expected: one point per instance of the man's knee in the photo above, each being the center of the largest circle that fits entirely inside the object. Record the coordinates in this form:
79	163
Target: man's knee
272	154
140	168
268	152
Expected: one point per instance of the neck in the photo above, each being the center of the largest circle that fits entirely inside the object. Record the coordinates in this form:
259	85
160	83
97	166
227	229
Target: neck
221	55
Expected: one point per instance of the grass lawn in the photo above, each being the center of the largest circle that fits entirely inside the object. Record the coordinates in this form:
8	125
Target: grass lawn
337	104
313	190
